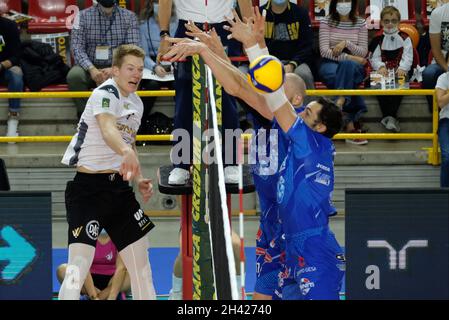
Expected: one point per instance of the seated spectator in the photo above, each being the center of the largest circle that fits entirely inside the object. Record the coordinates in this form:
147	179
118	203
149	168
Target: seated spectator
289	36
107	279
102	28
343	40
10	72
392	49
442	91
150	41
439	43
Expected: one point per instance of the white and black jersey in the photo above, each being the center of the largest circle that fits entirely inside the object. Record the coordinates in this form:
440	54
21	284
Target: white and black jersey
87	147
197	11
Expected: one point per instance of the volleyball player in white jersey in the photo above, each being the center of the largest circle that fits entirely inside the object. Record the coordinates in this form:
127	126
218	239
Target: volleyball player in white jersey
104	152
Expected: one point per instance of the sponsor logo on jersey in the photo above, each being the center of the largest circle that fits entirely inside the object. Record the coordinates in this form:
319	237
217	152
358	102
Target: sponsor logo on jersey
285	274
93	229
76	232
305	285
280	189
124	128
321	166
323	179
305	270
109	256
105	103
126	106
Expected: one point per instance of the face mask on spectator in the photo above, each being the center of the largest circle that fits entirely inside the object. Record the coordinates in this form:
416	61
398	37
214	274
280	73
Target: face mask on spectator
344	8
391	30
106	3
279	2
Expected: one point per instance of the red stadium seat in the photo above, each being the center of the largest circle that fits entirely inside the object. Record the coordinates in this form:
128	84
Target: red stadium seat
15	5
50	15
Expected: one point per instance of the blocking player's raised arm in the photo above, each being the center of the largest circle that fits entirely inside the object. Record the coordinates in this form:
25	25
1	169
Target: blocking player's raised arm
233	80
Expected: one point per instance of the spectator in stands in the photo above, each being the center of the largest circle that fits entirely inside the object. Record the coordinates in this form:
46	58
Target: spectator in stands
108	278
194	10
439	43
442	91
393	49
102	28
10	72
150	41
289	36
343	40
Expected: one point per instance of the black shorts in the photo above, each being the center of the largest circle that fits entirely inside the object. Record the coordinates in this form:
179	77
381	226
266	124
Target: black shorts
101	281
97	201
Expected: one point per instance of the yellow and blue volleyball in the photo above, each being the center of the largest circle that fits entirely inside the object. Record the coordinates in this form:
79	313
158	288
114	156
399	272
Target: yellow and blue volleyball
266	74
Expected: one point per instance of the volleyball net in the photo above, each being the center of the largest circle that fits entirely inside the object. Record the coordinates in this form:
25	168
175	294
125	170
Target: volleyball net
214	272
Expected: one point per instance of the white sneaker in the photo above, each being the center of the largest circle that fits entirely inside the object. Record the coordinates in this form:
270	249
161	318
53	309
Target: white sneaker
175	295
231	174
391	124
12	131
178	176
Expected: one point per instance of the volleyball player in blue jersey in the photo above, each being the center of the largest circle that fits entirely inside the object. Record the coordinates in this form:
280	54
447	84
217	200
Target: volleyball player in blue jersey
314	260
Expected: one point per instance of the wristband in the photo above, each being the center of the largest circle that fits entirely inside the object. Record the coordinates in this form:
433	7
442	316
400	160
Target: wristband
254	52
265	51
164	33
276	99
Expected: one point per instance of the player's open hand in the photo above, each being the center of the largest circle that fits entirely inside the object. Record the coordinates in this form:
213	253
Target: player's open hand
210	39
258	25
183	48
130	167
240	31
145	188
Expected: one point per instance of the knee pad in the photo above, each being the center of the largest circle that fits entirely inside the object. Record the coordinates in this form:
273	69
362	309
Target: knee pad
76	273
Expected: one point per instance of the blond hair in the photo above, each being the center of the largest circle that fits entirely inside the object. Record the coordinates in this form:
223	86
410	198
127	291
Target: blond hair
124	50
390	10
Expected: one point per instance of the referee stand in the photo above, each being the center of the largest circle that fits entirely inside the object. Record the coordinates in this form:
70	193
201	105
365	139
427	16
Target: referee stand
185	191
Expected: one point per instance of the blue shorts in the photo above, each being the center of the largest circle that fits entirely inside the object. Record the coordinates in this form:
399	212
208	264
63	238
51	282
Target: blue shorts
270	259
315	265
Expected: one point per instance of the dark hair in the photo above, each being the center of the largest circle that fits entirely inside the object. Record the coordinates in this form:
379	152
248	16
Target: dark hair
335	17
147	11
331	116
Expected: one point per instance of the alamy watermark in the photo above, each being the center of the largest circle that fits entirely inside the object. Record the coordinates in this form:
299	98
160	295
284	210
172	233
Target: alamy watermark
262	148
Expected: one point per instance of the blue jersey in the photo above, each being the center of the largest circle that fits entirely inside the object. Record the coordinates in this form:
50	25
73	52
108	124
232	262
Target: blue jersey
314	260
270	255
306	180
265	178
